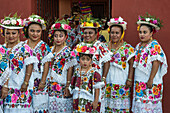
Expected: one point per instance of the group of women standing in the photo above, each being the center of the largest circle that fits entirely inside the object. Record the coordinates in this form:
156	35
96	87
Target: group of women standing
92	77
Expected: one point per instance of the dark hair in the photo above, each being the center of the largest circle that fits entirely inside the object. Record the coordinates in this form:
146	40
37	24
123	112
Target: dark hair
75	9
82	54
26	33
121	28
151	28
93	29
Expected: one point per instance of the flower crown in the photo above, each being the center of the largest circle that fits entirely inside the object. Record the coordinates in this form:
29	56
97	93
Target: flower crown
150	20
117	21
14	22
37	19
58	25
89	22
85	48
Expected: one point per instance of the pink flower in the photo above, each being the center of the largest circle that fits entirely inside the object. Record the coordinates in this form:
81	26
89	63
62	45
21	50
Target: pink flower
126	51
139	17
143	85
39	20
116	19
155	22
2	20
14	98
84	48
2	50
153	51
38	56
67	27
92	50
150	97
58	87
7	22
27	48
73	54
26	93
57	25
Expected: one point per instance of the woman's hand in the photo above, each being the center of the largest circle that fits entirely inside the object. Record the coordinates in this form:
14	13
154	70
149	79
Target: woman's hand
41	85
149	83
4	92
128	84
94	104
24	87
67	92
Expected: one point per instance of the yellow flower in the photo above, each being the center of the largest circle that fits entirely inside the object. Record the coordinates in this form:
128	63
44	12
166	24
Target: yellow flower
21	58
121	48
83	109
78	49
87	89
108	89
131	50
54	83
22	96
0	57
108	29
78	108
85	79
146	58
157	48
123	64
155	90
138	27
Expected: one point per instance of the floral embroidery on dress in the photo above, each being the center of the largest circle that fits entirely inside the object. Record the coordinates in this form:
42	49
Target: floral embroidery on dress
146	95
150	50
3	59
17	57
62	58
122	55
41	50
117	91
15	98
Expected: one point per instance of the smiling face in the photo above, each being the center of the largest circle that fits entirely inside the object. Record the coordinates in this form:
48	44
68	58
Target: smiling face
59	37
85	61
12	35
145	34
34	32
115	34
89	35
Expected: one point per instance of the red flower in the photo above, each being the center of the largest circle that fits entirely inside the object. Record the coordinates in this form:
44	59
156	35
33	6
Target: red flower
17	24
75	104
93	65
62	62
13	105
72	37
90	84
123	58
113	59
57	25
116	87
98	67
15	62
94	24
151	21
127	46
29	99
97	77
97	57
98	108
42	47
84	48
142	19
88	107
78	82
159	87
102	50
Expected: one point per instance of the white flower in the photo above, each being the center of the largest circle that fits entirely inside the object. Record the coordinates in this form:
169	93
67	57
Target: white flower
19	20
42	21
87	52
35	19
62	25
30	19
36	16
13	22
112	20
148	19
52	26
120	19
125	22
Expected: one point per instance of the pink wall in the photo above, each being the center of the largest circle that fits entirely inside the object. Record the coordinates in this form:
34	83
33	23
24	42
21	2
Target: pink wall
129	10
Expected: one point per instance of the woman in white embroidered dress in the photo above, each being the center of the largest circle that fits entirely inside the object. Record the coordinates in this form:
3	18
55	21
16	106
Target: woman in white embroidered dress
119	78
34	25
150	66
19	96
60	101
